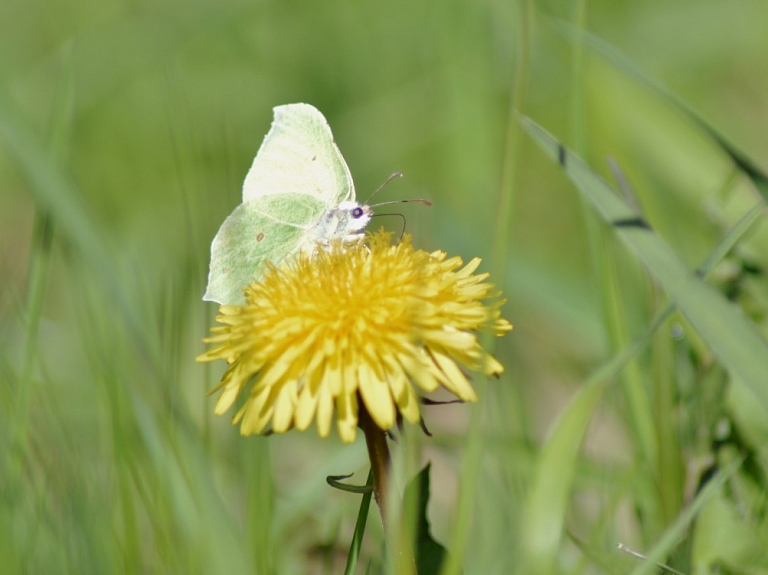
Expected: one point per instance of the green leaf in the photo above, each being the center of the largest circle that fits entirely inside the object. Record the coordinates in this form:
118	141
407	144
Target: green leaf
748	166
732	338
553	479
429	553
362	518
676	531
556	465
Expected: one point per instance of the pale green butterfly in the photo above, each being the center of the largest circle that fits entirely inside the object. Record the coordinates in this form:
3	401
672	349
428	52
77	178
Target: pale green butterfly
298	193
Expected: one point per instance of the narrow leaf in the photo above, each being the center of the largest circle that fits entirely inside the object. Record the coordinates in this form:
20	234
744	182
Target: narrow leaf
732	338
429	553
625	64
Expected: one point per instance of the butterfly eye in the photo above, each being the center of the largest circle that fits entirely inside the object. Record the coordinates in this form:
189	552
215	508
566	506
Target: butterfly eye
357	212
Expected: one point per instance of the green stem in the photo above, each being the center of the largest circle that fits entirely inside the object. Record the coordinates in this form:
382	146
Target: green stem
378	452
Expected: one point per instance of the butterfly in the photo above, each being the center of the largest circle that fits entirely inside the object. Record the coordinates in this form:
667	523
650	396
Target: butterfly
298	193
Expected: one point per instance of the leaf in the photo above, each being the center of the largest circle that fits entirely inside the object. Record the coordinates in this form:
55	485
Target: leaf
622	62
553	479
675	532
362	518
555	470
429	553
732	338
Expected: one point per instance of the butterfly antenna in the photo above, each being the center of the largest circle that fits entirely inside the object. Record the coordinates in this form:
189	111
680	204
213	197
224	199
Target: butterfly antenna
376	191
389	179
402	232
414	201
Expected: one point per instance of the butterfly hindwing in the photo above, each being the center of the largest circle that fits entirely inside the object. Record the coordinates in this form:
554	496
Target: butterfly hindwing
246	240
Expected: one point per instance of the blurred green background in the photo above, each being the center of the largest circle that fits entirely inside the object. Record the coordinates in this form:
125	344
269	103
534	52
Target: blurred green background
126	129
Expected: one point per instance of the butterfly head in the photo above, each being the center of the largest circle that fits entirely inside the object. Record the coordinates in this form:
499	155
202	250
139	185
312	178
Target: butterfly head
353	217
345	222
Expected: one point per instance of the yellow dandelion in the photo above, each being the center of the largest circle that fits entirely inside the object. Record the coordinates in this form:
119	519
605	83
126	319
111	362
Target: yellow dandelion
367	323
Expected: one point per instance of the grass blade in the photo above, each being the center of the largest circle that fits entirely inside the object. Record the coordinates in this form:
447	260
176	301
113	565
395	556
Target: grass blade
622	62
732	338
362	519
676	531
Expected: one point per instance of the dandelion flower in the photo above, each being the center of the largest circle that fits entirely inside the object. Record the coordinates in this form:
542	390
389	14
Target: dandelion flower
372	323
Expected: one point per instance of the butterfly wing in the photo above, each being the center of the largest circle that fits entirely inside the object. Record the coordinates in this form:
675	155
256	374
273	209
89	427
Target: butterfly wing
297	175
299	156
247	239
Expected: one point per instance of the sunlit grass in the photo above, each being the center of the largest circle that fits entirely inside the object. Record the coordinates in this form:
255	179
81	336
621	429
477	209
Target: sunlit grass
125	133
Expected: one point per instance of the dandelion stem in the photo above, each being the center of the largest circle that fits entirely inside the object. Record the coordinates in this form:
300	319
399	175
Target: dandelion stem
378	453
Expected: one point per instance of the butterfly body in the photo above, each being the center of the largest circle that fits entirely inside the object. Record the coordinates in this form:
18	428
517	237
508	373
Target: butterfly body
297	194
345	222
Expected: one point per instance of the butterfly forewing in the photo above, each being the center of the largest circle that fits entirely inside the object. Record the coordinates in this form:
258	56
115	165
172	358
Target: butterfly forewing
298	210
299	156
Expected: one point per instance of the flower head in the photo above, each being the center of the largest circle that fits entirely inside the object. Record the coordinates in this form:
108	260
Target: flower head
370	322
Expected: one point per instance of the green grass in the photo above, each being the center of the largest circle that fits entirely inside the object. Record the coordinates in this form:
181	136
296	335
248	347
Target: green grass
126	130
